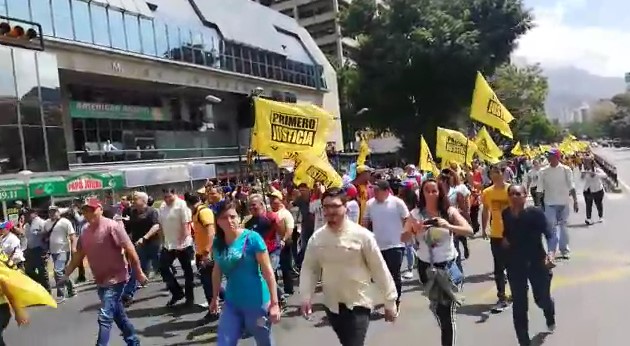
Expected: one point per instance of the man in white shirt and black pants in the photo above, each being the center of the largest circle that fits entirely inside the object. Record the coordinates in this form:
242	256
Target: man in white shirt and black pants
175	218
556	183
385	216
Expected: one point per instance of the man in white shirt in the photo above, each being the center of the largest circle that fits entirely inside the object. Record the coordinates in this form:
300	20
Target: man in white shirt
61	240
175	218
347	258
385	216
531	181
556	183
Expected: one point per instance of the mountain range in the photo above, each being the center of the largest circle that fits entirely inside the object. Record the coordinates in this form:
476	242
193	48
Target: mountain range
571	87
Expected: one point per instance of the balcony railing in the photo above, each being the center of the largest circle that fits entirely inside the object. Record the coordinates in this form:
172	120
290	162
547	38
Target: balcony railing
133	156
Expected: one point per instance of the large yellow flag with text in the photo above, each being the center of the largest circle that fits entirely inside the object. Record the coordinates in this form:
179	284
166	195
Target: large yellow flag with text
426	162
288	127
454	146
364	151
487	109
487	149
25	291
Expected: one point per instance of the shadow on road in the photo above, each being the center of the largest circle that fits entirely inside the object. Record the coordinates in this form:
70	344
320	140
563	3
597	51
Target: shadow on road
172	328
95	307
476	310
539	339
478	278
578	225
175	311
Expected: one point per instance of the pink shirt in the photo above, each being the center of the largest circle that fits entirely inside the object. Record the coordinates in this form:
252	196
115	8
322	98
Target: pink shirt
103	245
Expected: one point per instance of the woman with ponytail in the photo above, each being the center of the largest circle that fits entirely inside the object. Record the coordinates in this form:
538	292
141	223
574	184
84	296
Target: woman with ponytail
251	299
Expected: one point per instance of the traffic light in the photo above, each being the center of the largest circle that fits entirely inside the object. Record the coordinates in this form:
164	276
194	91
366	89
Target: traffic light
20	35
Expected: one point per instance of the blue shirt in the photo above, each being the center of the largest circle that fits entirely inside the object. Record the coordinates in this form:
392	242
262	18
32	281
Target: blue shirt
246	287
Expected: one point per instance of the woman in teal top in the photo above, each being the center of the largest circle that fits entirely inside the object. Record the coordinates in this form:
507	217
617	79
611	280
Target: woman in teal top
251	301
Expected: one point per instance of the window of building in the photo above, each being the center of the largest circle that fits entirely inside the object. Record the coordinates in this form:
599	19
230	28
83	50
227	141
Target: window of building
100	25
117	28
132	29
41	13
62	19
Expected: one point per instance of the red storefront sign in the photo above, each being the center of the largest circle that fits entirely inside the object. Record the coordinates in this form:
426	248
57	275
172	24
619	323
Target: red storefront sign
84	184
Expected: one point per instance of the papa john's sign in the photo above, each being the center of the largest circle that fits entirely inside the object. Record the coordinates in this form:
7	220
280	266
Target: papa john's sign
84	184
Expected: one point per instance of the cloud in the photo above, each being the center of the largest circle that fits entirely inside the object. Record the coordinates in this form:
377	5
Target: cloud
554	42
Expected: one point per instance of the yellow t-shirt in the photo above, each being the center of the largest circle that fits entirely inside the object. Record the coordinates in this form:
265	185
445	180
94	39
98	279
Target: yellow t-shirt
201	219
496	199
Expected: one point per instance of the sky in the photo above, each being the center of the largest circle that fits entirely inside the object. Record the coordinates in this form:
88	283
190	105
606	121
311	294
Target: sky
593	35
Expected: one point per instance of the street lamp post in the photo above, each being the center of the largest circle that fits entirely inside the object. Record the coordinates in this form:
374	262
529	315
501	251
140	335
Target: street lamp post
25	175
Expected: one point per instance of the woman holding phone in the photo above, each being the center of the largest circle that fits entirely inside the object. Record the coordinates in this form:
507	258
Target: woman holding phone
434	224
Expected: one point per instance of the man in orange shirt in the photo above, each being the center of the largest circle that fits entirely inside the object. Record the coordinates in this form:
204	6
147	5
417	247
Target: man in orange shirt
203	234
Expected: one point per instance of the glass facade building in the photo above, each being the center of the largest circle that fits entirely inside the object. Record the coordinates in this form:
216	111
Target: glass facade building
31	118
137	27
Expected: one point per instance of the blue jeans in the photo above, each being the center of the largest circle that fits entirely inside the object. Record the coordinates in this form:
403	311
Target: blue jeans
557	216
235	320
112	310
274	257
60	260
149	255
410	256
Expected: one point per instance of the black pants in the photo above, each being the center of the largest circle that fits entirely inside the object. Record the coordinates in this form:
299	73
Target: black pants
205	276
445	315
286	266
393	259
500	261
36	266
350	325
540	278
5	318
464	242
598	198
538	200
474	218
185	257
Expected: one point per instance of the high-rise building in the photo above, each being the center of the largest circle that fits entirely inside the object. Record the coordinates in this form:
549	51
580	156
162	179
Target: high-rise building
112	95
320	19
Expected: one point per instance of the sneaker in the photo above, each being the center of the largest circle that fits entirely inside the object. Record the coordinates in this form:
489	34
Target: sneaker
408	275
501	306
61	299
565	255
551	328
601	220
588	222
174	300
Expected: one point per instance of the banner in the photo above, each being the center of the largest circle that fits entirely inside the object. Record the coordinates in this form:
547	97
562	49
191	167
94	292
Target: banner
487	149
517	150
454	146
92	110
487	109
312	168
280	127
426	162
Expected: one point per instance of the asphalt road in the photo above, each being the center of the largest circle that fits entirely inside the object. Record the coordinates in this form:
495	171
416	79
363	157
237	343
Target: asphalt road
590	291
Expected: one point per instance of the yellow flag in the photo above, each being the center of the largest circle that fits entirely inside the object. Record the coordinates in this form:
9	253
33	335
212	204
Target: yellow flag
426	162
517	150
312	168
280	127
454	146
487	149
364	151
25	291
487	109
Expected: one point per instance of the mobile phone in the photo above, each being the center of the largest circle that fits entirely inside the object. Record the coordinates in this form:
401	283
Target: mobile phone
430	222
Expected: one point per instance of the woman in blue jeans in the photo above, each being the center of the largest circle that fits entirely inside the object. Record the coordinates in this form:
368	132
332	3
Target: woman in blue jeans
251	299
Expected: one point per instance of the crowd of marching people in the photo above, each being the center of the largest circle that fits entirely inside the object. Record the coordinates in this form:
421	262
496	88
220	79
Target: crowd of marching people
247	244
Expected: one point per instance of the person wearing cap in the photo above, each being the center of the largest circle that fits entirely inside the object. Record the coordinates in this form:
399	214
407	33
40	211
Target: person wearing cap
61	243
108	249
352	205
385	216
364	187
276	200
10	244
556	183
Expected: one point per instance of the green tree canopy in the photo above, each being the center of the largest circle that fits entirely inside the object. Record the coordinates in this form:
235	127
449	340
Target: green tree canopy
417	59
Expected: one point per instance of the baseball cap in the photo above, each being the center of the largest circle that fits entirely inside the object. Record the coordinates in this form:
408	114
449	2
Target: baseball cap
275	194
6	225
554	152
351	191
53	208
382	185
92	203
364	168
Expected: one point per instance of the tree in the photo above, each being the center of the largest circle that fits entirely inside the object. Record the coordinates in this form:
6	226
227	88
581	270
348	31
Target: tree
417	59
523	91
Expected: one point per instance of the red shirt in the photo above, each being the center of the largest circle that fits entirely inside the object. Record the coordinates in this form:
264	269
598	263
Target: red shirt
103	245
267	225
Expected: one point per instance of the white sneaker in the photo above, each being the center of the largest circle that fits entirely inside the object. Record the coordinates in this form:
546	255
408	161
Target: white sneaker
588	221
408	275
601	220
